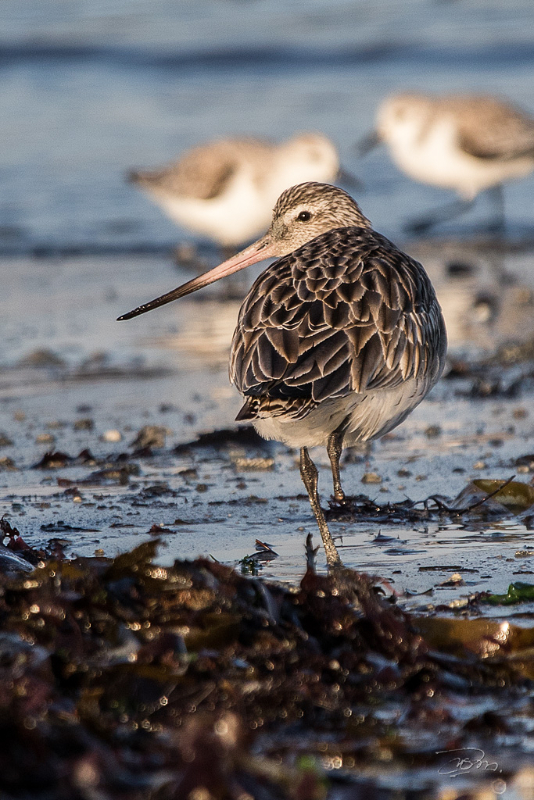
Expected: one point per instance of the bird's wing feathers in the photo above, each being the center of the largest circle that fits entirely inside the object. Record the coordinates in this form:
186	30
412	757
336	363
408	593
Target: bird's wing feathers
205	172
345	313
489	128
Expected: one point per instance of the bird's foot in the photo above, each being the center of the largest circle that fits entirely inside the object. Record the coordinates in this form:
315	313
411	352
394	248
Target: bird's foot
339	497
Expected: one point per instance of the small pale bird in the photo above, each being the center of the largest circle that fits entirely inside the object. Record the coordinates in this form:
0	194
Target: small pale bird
465	142
337	341
226	189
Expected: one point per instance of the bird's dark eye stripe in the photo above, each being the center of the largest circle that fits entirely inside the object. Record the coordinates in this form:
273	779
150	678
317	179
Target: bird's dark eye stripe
304	216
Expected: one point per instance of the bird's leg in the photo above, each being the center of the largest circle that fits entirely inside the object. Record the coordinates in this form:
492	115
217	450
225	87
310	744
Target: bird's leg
497	228
334	448
309	475
497	225
442	214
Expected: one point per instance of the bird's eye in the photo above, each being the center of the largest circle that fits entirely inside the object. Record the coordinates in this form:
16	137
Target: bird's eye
304	216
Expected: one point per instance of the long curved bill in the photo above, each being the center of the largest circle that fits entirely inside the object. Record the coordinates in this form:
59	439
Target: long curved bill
258	251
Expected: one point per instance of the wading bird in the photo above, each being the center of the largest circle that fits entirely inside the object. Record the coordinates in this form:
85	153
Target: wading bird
226	189
337	341
468	143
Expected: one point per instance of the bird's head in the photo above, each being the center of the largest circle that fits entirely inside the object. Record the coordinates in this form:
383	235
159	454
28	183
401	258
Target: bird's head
305	211
402	116
311	154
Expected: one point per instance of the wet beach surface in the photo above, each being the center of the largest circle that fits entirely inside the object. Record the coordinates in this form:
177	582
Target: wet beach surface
120	457
89	93
118	442
133	398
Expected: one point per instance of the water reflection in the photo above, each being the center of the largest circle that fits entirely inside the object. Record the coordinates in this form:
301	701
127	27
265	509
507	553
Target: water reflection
206	330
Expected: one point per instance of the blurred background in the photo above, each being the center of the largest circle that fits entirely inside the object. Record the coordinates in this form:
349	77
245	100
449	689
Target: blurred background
90	89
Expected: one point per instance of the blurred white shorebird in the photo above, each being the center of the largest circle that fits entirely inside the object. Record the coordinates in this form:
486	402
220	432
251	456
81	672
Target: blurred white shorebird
337	341
465	142
226	189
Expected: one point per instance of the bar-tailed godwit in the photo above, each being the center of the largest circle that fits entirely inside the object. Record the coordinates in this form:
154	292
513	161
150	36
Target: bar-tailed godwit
226	189
337	341
468	143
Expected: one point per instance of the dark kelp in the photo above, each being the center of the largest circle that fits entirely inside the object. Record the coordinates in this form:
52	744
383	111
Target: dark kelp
120	678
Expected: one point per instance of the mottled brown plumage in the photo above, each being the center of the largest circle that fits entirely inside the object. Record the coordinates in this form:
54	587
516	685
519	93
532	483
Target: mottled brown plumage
204	171
338	340
346	312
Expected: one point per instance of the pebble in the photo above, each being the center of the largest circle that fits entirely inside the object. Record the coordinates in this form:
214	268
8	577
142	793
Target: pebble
454	580
433	431
151	436
186	254
112	435
244	464
460	603
43	358
45	438
371	477
84	424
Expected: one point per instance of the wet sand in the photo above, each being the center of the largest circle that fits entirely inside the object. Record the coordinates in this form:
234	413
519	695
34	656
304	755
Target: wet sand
100	382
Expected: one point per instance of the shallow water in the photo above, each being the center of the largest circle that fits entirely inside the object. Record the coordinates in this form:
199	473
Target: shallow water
89	90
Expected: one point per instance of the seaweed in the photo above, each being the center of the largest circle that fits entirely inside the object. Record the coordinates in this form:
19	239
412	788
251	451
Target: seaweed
124	678
483	499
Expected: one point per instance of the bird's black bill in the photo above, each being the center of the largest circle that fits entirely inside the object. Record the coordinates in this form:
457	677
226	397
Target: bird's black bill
251	255
160	301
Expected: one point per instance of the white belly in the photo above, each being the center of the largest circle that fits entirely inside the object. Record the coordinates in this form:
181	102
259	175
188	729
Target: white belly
371	415
236	216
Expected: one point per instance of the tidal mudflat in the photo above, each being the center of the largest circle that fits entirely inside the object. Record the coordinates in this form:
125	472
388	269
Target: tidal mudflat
408	675
116	427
